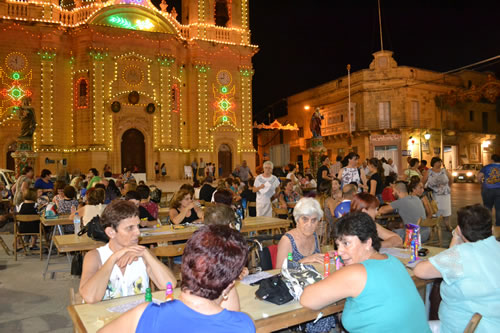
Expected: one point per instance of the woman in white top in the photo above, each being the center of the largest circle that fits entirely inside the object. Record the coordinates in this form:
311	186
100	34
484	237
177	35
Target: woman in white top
121	267
439	180
94	207
350	173
265	186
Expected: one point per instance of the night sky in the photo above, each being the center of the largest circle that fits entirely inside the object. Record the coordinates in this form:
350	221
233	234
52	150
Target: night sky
306	43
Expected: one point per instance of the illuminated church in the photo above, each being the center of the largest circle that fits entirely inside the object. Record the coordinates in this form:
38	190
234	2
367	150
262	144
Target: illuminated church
128	84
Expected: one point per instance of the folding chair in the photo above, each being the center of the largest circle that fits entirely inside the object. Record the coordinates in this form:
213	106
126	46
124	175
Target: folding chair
250	204
18	235
170	251
435	224
280	212
2	242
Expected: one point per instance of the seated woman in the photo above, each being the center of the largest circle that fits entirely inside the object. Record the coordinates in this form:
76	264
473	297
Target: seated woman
287	195
200	307
416	188
388	191
470	270
367	203
122	267
94	206
412	170
303	243
68	201
380	294
183	210
29	207
327	203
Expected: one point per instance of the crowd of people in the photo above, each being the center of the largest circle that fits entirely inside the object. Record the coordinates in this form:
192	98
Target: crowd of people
344	200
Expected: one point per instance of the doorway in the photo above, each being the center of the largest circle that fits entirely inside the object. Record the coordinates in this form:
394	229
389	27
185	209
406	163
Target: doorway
133	150
10	162
225	160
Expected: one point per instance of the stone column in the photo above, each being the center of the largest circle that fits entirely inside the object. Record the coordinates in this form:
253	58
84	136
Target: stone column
24	155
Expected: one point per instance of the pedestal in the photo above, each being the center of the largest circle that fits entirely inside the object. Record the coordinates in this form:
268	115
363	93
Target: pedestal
24	155
316	150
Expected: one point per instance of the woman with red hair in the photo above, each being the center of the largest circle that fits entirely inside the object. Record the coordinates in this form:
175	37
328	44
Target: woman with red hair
367	203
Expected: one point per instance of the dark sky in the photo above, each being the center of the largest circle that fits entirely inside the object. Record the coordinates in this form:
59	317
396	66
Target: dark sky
306	43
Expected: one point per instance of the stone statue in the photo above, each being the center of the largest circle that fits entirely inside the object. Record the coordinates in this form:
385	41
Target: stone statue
315	124
28	121
163	6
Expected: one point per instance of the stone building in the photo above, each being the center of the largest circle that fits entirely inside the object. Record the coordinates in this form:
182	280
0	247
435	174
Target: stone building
125	83
393	110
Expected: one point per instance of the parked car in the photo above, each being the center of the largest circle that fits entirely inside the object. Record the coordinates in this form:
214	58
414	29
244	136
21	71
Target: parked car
466	173
7	176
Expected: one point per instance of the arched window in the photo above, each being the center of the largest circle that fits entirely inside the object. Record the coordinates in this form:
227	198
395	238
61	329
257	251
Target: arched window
175	98
222	13
81	93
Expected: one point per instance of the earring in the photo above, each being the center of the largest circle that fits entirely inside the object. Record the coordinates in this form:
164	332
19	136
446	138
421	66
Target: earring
225	297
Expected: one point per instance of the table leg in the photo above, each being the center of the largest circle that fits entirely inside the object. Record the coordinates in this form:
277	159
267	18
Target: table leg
50	252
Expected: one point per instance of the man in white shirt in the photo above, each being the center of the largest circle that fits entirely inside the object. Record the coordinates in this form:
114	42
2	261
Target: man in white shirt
393	166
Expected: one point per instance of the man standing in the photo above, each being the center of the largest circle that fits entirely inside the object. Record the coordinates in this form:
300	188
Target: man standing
245	172
393	166
201	170
489	177
194	166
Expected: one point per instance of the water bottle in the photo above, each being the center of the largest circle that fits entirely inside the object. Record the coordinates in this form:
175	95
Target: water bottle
77	223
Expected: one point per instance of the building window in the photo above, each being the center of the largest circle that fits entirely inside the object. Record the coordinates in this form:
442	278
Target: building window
415	113
384	115
471	115
175	98
81	93
222	13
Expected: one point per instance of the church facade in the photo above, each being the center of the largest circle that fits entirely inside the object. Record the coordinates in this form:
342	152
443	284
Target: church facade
126	83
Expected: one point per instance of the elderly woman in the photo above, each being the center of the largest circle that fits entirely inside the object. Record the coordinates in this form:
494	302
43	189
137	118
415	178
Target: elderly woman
380	294
183	210
439	180
303	243
368	203
470	270
265	186
204	288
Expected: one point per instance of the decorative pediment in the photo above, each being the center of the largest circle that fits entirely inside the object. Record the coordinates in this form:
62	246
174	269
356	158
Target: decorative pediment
132	17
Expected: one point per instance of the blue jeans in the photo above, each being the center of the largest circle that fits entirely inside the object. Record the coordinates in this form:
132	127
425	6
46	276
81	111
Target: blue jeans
491	198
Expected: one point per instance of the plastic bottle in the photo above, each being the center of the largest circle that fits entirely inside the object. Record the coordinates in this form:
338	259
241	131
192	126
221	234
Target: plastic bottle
327	264
290	257
149	296
169	292
77	223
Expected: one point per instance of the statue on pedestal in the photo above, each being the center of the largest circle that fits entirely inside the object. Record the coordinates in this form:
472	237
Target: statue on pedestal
28	120
315	123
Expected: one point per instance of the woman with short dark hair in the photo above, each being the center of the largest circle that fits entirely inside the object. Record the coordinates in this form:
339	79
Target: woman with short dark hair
213	259
470	269
376	286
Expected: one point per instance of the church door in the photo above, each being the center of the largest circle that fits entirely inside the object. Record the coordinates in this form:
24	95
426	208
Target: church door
11	164
133	150
225	166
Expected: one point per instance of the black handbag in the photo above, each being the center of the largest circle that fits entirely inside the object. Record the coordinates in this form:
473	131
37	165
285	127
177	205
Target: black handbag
94	230
274	290
77	264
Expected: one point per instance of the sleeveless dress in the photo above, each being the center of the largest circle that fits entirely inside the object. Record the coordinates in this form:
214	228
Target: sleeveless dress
350	175
324	324
438	182
133	282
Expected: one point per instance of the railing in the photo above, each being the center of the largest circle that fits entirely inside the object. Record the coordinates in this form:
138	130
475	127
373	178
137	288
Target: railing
17	9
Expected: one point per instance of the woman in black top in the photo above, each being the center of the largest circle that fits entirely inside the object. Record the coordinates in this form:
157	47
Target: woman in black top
29	207
377	179
183	209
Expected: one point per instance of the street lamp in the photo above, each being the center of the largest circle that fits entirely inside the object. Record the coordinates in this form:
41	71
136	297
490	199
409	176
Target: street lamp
307	107
427	136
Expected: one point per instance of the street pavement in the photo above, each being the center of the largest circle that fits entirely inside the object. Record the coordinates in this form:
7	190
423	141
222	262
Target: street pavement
31	304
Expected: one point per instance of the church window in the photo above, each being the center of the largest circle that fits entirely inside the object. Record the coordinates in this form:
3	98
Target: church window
175	98
81	93
222	13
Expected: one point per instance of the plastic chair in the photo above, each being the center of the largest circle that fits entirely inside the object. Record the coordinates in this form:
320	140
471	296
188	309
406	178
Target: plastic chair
18	235
473	322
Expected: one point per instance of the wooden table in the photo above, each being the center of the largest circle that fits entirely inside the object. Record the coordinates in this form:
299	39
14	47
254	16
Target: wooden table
267	317
69	243
56	223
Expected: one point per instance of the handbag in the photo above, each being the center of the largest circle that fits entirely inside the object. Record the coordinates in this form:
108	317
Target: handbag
274	290
298	276
77	264
94	230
